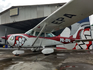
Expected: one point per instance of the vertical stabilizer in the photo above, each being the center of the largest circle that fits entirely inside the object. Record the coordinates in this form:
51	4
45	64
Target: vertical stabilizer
77	35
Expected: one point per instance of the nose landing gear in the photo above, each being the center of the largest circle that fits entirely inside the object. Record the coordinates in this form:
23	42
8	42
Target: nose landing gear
18	52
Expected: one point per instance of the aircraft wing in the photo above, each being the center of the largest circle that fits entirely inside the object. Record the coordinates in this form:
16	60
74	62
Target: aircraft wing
70	13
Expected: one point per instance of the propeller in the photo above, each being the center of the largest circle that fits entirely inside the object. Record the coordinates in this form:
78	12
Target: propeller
5	36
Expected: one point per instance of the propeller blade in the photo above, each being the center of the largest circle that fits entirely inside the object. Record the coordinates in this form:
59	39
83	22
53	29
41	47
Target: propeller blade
5	36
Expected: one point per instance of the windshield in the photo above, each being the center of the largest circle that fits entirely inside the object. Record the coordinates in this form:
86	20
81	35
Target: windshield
30	32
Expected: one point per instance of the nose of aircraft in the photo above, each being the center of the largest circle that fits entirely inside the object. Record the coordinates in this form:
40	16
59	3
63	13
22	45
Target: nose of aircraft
11	40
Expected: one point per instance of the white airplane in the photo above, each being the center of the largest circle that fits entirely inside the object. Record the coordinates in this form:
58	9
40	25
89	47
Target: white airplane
41	34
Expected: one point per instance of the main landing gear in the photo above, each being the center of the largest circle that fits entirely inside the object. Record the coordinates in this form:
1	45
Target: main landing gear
45	51
35	49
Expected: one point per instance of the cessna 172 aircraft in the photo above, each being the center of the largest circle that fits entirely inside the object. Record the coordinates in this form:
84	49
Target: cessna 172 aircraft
41	34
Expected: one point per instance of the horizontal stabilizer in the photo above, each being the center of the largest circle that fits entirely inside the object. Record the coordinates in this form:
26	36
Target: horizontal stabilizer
84	40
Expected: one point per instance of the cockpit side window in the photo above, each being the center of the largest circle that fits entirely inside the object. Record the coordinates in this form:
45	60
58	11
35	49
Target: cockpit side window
36	33
42	35
32	33
49	35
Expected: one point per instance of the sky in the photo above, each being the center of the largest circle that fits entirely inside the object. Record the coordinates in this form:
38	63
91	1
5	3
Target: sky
5	4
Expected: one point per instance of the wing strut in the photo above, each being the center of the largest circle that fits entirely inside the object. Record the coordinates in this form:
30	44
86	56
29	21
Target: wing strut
39	34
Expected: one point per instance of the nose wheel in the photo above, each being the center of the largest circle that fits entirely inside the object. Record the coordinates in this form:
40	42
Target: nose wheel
18	52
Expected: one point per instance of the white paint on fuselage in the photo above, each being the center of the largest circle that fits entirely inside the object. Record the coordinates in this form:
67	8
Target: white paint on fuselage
40	42
29	41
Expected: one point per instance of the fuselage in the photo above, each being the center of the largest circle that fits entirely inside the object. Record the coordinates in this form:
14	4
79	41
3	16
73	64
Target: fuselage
25	40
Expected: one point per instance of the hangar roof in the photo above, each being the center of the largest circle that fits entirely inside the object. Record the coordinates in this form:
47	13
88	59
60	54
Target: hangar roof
58	4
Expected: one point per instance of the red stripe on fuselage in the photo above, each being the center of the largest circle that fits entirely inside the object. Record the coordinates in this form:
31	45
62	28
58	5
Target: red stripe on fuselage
56	38
60	48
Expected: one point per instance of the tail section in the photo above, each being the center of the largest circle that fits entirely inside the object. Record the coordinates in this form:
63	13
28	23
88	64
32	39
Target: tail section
83	32
67	33
77	35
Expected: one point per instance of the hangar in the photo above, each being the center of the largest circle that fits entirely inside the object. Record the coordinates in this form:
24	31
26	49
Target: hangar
26	17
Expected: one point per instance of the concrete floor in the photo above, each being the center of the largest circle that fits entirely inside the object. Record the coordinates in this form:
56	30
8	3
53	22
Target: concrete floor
66	60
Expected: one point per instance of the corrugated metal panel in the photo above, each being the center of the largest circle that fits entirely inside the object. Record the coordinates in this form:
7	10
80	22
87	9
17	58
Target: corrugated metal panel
33	12
53	8
7	17
40	11
3	19
22	13
47	10
27	13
